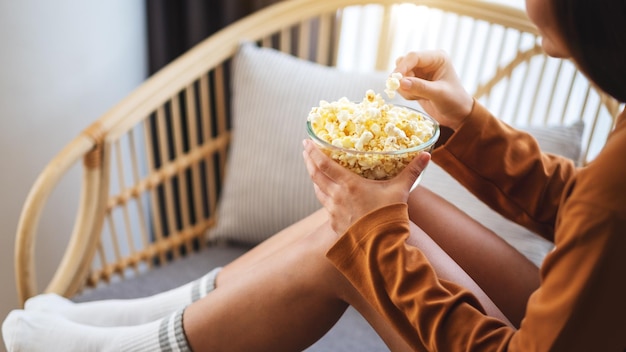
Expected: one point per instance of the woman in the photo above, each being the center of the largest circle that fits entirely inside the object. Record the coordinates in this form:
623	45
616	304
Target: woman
382	250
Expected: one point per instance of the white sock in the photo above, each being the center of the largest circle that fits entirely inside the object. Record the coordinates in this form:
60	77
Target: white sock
26	331
124	312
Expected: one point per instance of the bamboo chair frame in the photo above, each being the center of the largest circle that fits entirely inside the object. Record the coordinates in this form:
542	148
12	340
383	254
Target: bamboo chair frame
130	187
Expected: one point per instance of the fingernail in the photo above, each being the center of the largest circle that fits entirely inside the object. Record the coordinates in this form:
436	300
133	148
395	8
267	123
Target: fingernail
424	159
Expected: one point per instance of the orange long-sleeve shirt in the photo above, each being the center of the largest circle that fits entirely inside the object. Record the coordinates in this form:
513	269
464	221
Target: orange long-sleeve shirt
581	302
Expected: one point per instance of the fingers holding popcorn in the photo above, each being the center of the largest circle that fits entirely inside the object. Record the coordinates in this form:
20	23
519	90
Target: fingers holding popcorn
429	77
392	84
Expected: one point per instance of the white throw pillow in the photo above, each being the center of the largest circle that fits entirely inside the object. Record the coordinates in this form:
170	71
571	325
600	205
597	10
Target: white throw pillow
267	187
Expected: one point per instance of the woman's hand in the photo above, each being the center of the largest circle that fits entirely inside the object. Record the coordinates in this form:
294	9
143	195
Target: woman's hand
348	196
430	78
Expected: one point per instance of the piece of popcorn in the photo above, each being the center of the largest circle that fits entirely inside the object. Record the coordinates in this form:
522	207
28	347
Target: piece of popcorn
392	84
370	125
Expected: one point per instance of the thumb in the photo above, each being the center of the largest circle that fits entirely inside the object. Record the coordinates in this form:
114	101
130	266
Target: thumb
418	88
412	171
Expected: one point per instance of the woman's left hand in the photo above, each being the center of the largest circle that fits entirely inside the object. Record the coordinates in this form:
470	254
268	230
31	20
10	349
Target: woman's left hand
347	196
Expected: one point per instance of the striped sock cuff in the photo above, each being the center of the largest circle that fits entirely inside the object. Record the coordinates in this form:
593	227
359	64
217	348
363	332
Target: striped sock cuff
204	285
171	334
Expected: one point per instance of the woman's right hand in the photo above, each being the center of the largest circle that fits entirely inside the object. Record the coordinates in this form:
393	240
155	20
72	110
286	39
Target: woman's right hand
430	78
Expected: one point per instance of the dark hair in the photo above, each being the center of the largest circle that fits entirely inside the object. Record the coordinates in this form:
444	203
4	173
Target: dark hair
595	34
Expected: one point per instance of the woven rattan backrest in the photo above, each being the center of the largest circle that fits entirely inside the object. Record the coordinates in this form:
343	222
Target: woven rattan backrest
164	180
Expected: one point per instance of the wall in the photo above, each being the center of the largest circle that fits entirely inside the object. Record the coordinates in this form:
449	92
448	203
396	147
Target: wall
63	63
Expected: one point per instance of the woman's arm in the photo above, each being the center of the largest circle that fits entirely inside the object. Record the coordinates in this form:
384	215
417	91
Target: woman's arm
399	282
500	165
578	307
505	168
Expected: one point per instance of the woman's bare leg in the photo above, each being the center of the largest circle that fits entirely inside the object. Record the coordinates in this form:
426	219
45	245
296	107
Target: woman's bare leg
116	312
289	299
283	297
286	301
500	270
506	275
272	245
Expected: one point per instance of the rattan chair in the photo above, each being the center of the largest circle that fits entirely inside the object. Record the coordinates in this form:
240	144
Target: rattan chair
494	47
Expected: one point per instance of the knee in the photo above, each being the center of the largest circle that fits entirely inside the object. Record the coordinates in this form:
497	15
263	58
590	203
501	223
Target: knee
322	276
420	191
320	240
309	253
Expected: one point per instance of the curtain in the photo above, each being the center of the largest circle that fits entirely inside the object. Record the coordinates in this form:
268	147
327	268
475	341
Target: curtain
174	26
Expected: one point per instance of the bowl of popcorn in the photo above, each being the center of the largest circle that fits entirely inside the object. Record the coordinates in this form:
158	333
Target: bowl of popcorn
372	138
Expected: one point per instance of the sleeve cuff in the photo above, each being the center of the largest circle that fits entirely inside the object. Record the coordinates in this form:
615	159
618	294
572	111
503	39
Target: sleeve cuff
383	221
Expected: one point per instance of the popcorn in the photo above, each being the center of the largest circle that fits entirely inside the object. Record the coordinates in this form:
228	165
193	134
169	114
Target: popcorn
370	134
392	84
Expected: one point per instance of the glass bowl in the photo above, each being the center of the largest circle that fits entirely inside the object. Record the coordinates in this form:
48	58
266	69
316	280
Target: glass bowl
377	165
